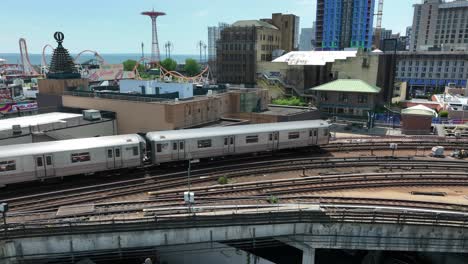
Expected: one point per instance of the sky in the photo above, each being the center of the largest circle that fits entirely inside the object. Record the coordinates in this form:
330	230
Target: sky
116	26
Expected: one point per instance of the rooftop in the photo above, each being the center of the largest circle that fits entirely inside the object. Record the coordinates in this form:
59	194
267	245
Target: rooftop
253	23
27	121
281	110
348	86
318	58
420	110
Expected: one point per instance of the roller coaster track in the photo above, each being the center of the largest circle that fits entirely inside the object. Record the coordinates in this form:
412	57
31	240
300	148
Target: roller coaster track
28	69
175	74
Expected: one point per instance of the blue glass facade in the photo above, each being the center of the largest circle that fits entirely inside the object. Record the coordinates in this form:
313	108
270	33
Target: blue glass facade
355	32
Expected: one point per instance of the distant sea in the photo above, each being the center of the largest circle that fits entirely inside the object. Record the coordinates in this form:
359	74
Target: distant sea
36	59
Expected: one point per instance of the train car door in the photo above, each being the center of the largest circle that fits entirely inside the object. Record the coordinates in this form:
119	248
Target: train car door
44	165
229	145
313	137
178	150
49	165
110	158
182	150
40	166
118	160
273	140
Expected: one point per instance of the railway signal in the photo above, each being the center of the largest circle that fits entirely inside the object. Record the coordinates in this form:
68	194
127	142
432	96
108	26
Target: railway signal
4	210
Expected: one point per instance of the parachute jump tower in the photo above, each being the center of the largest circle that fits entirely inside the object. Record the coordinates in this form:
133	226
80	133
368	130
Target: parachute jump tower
155	55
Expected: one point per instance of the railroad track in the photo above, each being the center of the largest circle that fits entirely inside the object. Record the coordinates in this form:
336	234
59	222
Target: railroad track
280	188
52	201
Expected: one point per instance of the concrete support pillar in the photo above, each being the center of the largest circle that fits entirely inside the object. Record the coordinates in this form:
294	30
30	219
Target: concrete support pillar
308	252
8	251
308	255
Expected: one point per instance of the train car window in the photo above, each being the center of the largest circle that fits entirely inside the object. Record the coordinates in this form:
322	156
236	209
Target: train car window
7	165
310	133
251	139
181	145
174	146
315	133
135	151
270	137
225	141
109	153
49	160
117	153
232	140
39	162
325	132
293	135
205	143
158	148
276	136
80	157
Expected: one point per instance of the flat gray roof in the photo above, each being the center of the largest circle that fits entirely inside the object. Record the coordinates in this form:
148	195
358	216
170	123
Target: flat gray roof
27	121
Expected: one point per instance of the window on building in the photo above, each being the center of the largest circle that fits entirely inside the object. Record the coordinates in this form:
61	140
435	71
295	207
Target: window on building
80	157
9	165
293	135
204	143
343	97
362	99
251	139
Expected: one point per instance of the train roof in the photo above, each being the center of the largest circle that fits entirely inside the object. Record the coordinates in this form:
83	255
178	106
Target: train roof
80	144
233	130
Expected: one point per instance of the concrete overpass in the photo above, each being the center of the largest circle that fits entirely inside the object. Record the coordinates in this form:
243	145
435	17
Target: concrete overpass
307	230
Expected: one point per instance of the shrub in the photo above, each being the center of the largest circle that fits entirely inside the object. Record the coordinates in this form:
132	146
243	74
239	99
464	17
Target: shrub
223	180
443	113
273	199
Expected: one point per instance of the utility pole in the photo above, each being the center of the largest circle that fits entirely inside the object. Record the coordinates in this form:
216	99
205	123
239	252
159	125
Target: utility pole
201	45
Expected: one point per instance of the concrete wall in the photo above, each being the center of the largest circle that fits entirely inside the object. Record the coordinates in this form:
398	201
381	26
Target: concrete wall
355	236
363	67
185	90
142	117
57	87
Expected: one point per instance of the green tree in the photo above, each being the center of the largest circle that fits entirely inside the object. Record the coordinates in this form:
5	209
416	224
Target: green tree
129	65
191	67
169	64
291	101
443	113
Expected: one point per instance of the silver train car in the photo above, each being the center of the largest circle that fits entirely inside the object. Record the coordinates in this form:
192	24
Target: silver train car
177	145
39	161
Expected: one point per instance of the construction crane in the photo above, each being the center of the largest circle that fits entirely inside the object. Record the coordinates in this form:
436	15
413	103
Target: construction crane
378	27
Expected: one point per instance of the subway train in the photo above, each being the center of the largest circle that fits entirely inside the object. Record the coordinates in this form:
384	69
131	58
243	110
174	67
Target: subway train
39	161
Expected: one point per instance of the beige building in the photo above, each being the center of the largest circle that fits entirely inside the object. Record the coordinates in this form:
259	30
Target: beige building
288	25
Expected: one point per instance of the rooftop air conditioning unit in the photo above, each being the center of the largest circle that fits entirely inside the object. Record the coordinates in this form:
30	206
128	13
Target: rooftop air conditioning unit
16	130
92	115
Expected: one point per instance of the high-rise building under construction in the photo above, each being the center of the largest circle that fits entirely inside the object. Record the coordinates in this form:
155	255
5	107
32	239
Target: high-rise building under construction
344	24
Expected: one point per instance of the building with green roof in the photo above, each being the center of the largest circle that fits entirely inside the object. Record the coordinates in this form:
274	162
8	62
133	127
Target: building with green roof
346	97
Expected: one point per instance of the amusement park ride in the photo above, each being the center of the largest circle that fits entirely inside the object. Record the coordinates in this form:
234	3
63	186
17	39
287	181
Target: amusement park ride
27	70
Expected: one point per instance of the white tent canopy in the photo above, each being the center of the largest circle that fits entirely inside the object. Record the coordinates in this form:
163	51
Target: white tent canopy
317	58
420	110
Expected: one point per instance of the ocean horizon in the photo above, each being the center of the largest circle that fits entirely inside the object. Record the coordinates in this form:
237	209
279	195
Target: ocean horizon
109	58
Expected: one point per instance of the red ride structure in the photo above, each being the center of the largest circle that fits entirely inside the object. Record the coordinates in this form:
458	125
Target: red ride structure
155	54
